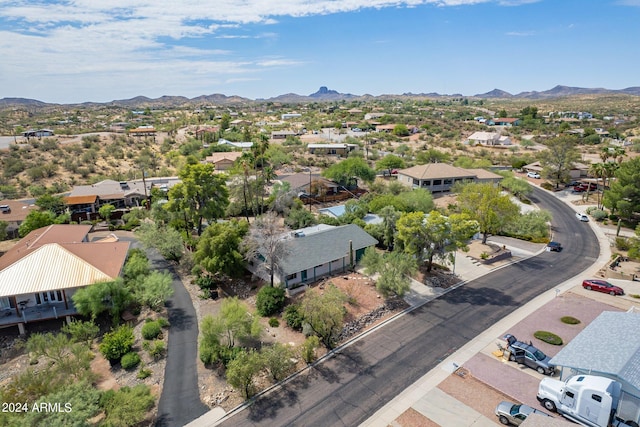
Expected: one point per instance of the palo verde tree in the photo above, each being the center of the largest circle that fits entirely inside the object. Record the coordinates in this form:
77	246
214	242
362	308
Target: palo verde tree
324	313
558	159
347	171
433	235
395	269
202	195
486	204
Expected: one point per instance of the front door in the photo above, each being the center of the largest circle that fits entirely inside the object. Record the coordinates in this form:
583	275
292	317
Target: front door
303	275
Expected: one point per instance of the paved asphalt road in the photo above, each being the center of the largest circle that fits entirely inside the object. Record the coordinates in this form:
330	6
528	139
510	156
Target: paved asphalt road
180	400
348	388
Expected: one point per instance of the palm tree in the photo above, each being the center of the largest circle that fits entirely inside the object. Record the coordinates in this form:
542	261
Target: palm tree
605	154
609	171
618	153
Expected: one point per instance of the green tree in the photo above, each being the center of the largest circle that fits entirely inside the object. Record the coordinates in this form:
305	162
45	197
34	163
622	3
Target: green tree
486	204
242	371
324	313
434	235
558	159
95	299
400	130
390	162
533	225
395	269
154	290
278	359
623	195
418	199
389	218
432	156
218	250
81	331
299	217
270	300
51	203
80	402
165	239
201	195
106	211
308	348
347	171
35	220
516	186
3	230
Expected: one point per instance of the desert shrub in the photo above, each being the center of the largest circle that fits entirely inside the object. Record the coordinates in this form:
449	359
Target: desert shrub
547	186
569	320
270	300
623	244
273	322
308	348
130	360
598	214
143	373
151	330
548	337
157	349
117	343
293	317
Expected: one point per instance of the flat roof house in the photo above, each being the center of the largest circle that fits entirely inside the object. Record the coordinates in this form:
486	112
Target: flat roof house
331	149
488	138
40	274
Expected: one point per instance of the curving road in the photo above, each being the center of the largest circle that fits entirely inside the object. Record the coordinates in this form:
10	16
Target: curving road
350	387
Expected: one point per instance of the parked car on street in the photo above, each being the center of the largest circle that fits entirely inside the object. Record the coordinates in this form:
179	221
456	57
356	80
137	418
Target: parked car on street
602	286
511	413
528	355
554	246
582	217
535	175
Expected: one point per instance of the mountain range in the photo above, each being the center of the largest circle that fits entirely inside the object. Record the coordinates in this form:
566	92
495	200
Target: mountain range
322	94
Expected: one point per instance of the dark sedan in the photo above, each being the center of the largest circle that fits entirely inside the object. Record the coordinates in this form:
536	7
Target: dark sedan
602	286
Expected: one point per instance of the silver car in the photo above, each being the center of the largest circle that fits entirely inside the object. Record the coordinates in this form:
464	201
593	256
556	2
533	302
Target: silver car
511	413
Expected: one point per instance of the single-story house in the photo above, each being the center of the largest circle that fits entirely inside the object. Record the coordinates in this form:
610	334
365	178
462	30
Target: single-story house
488	138
239	123
606	347
579	170
143	131
318	251
40	274
504	121
14	212
37	133
310	183
121	194
287	116
339	210
282	134
237	145
332	149
440	177
223	160
200	132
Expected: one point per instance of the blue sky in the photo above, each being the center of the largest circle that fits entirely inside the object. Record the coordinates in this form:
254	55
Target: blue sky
91	50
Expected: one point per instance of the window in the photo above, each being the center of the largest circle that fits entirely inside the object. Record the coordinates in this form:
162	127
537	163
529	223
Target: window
426	183
437	182
416	182
448	181
596	397
569	394
292	276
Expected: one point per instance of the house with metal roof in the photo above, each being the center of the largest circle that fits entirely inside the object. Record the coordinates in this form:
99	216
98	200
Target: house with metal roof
608	347
40	274
332	149
318	251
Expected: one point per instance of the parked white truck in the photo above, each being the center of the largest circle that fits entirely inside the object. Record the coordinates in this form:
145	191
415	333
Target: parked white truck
585	399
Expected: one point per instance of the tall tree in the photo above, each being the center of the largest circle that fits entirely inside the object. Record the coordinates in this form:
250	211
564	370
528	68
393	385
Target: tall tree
324	313
486	204
266	240
218	249
389	218
597	170
434	235
623	195
558	159
202	195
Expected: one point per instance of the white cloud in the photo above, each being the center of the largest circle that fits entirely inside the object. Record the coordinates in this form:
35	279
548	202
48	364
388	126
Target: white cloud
521	33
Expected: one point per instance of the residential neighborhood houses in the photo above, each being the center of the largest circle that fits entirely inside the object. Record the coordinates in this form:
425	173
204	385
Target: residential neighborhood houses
372	203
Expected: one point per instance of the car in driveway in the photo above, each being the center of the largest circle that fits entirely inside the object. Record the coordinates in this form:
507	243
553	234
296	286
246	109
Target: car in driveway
582	217
554	246
535	175
513	414
602	286
529	355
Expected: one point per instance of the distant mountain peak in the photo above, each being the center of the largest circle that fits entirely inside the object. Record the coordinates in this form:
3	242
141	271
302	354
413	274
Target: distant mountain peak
323	92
